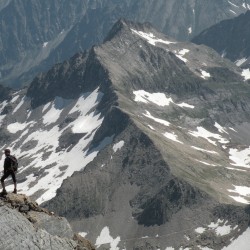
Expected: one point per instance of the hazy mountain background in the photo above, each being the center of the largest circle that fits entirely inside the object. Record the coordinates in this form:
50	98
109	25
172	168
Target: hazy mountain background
36	34
230	38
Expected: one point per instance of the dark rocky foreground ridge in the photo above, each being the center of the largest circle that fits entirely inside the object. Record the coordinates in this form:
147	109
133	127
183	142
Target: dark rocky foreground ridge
34	35
25	225
137	142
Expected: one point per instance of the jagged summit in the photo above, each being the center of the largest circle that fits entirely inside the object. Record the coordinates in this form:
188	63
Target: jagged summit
134	137
127	51
125	24
127	42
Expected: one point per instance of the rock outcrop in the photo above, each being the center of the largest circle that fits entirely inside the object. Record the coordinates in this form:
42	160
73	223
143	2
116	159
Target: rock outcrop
25	225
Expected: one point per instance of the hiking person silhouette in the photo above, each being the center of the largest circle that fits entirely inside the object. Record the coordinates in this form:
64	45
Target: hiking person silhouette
8	170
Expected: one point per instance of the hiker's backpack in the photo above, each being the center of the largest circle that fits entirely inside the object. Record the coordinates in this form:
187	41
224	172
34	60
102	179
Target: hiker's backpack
14	162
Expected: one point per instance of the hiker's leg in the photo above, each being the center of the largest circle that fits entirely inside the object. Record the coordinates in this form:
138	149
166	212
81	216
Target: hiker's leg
15	190
3	185
14	180
2	180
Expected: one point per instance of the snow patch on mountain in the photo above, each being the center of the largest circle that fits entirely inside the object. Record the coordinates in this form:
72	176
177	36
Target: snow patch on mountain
246	6
54	109
237	169
205	74
205	163
180	54
159	99
118	145
86	121
200	230
151	127
45	44
45	107
185	105
161	121
40	145
106	239
239	199
220	227
240	61
3	105
150	37
243	193
241	190
242	242
202	132
52	115
17	126
14	99
233	4
2	118
183	52
172	136
246	74
204	150
220	128
19	105
83	234
240	157
233	12
232	129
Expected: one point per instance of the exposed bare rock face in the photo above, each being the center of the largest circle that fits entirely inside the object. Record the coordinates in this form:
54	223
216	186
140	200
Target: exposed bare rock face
25	225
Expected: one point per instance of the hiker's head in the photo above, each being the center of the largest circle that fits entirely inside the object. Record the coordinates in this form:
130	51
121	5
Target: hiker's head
7	151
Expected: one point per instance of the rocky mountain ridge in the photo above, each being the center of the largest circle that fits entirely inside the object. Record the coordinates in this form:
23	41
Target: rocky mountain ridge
36	35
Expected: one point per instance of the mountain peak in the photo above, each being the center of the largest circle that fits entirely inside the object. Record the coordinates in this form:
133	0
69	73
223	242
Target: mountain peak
125	25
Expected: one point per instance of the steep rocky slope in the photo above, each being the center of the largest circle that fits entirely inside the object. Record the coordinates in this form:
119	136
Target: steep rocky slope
25	225
35	35
141	142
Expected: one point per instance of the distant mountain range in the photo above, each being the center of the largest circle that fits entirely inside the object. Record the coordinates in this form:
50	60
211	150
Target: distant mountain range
140	142
35	35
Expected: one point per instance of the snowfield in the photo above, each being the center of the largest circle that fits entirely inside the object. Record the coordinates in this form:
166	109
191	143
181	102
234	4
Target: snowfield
56	165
